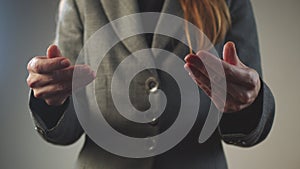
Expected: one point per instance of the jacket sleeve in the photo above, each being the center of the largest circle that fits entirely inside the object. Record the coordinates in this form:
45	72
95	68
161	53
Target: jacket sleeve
251	125
59	125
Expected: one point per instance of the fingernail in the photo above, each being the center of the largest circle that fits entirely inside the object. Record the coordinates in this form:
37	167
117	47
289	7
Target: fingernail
190	72
94	74
65	62
186	57
187	68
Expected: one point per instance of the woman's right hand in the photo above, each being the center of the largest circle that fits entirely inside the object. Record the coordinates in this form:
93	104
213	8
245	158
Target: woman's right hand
50	77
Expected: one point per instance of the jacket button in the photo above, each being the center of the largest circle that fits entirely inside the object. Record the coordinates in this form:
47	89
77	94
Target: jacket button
151	84
154	122
151	144
39	130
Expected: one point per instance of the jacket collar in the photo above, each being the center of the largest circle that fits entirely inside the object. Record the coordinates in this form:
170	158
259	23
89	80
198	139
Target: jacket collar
115	9
170	7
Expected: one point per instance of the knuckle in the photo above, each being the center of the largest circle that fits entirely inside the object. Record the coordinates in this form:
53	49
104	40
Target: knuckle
229	73
29	66
37	68
201	53
37	94
237	108
196	74
30	82
60	75
51	102
63	87
55	75
246	97
54	101
232	107
226	108
249	77
33	64
252	78
248	74
55	63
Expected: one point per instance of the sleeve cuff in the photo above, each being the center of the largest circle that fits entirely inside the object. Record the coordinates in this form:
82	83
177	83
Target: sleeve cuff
46	116
56	124
251	125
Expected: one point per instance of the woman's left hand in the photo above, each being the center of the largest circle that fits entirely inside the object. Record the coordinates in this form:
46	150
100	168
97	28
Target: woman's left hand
243	83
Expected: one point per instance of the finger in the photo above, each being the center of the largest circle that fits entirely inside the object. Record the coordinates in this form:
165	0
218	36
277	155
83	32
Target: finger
240	97
43	83
62	89
196	74
219	102
246	77
238	81
210	84
217	79
206	62
56	100
245	74
230	55
53	89
42	65
65	87
83	75
209	64
53	52
35	80
241	94
196	62
205	83
233	106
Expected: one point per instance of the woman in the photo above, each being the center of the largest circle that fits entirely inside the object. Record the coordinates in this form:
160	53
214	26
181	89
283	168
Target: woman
249	107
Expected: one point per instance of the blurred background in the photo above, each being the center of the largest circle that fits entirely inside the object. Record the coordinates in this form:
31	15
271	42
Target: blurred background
28	27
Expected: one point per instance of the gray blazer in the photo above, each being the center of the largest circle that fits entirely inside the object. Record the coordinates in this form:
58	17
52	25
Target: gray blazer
79	19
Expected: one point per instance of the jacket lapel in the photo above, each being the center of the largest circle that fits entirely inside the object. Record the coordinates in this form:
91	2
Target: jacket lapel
115	9
170	7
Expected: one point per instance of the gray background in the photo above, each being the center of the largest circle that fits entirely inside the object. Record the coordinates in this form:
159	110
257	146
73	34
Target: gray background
27	28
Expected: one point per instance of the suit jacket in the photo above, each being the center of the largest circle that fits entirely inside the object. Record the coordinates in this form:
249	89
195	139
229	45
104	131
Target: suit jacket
79	19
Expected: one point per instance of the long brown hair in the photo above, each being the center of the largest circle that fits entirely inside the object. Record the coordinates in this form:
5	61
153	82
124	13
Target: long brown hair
212	17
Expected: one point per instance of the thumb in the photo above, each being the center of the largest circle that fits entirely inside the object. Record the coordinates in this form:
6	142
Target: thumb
229	54
53	51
